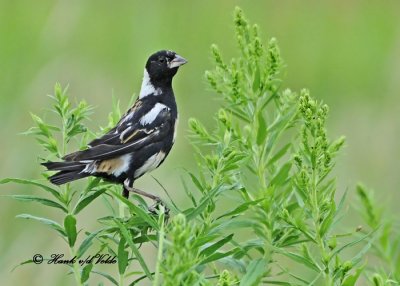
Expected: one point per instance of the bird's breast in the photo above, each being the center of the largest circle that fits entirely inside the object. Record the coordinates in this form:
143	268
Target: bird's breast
150	164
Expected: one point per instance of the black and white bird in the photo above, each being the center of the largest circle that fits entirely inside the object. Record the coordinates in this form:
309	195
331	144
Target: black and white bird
140	141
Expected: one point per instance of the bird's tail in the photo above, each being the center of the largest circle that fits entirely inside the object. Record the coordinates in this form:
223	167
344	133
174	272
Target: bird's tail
69	171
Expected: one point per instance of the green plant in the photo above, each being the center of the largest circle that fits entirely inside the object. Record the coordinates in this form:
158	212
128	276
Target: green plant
262	203
384	268
122	231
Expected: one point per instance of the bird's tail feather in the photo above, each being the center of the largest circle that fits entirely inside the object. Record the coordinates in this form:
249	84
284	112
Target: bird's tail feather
64	177
64	166
69	171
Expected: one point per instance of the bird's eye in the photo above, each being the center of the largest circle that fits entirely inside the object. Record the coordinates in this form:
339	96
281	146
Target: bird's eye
161	60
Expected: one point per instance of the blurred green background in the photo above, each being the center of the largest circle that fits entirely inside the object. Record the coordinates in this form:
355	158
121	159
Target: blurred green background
346	52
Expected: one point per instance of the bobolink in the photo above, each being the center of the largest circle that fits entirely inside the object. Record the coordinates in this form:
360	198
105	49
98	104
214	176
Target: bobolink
140	141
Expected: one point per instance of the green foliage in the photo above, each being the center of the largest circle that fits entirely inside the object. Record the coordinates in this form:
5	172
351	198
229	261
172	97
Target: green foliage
385	266
119	235
262	206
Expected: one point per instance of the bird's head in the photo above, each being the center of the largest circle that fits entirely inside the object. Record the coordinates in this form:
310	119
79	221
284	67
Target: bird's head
163	65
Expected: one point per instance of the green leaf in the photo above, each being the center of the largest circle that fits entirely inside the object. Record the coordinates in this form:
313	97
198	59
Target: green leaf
273	282
352	279
215	246
122	256
70	229
240	209
45	221
262	128
218	255
256	82
86	272
303	260
254	273
196	182
351	243
206	238
174	207
327	222
282	175
135	250
138	211
279	154
47	202
107	276
22	263
32	183
208	197
84	201
87	242
232	224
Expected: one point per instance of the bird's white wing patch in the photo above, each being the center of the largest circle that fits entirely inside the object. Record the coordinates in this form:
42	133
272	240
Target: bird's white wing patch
147	87
150	164
149	117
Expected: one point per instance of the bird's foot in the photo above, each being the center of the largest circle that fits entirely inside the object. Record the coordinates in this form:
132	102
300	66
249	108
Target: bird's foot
156	207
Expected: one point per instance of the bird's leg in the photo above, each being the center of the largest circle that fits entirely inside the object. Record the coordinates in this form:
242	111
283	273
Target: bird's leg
125	193
128	187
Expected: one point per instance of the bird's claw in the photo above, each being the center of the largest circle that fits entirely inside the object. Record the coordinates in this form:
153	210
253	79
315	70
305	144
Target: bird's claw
156	207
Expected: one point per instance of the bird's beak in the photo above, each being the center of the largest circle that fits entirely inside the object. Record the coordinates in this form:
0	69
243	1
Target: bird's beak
177	62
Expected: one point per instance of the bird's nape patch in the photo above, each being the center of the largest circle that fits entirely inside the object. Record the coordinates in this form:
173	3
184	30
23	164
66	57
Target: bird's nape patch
147	87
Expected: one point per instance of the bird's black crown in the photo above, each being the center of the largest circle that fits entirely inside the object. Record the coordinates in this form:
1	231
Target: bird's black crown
163	65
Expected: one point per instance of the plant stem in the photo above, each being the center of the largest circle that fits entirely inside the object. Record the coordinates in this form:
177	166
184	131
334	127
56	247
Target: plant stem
121	206
76	270
161	237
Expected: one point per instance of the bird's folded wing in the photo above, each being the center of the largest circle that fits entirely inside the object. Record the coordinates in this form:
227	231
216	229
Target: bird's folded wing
131	134
132	115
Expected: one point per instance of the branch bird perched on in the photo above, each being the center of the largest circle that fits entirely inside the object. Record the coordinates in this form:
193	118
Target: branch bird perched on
140	141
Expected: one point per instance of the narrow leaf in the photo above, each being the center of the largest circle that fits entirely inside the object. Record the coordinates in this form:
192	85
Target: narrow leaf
351	243
282	175
138	211
22	263
135	250
84	201
217	256
46	221
86	272
122	256
262	128
254	273
70	229
194	212
215	246
279	154
33	183
352	279
44	201
240	209
108	276
87	242
300	259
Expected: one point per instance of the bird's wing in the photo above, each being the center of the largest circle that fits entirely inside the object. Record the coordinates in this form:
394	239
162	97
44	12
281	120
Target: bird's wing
142	125
111	137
